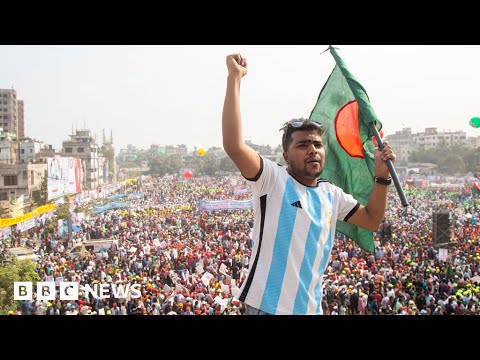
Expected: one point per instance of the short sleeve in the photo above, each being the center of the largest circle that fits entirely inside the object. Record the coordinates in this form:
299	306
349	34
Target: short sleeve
266	177
347	205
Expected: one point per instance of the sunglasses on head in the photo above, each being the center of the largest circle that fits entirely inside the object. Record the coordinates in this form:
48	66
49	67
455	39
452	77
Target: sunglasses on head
296	123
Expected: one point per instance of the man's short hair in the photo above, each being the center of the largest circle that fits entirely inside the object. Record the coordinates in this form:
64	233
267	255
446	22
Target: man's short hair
300	124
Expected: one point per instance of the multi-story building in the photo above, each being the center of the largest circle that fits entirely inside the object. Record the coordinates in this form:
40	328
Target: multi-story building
21	119
155	151
405	142
473	142
9	148
402	142
131	153
432	138
28	150
45	152
181	150
83	145
261	149
9	111
20	179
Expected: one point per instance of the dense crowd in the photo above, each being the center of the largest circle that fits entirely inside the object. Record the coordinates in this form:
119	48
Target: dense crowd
190	262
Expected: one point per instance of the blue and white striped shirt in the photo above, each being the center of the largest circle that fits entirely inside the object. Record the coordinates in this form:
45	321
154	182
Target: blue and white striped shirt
293	235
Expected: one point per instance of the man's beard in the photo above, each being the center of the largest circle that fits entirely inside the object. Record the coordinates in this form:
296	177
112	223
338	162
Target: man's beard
303	173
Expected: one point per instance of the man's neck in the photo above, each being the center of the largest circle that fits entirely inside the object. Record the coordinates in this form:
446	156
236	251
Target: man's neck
304	182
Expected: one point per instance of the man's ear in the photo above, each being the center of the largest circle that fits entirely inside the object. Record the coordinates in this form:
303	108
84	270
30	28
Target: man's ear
285	156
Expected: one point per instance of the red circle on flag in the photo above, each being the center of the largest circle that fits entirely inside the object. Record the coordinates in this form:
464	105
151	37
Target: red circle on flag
346	129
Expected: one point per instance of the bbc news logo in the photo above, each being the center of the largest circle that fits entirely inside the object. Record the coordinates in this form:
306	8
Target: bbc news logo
69	290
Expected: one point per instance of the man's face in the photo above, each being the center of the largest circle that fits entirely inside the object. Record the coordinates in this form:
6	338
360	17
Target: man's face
305	156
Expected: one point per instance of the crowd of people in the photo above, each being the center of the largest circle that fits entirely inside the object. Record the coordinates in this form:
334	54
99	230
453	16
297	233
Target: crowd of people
190	262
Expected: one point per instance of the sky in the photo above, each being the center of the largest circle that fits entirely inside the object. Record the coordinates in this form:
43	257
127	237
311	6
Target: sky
168	95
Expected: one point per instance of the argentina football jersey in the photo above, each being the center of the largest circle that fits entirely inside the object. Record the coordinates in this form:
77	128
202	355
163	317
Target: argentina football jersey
290	256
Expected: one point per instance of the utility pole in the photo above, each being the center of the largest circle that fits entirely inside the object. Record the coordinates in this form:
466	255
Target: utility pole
69	218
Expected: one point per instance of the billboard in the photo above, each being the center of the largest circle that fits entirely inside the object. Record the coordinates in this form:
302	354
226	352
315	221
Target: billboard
64	176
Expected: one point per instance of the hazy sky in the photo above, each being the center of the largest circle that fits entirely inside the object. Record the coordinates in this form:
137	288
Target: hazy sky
174	94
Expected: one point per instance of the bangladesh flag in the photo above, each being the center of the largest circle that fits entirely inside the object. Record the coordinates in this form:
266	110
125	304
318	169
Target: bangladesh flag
344	110
476	188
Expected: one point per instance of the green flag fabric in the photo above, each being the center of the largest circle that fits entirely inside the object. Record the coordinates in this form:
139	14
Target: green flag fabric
476	188
344	109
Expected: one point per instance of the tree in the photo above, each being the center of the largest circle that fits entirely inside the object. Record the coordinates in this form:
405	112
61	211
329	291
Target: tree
208	164
426	156
456	159
40	196
226	164
63	209
166	164
452	164
472	160
9	274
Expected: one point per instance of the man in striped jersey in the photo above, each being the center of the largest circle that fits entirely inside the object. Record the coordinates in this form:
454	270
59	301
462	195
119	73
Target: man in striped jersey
295	213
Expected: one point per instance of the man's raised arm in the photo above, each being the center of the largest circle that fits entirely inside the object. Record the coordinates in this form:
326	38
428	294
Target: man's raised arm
244	157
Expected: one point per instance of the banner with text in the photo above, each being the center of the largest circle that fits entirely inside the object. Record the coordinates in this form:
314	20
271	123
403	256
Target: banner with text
227	204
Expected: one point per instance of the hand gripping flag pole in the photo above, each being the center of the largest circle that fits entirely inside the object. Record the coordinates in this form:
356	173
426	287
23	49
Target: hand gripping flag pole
393	172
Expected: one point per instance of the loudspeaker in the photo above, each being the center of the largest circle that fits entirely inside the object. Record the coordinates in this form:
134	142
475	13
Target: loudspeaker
441	227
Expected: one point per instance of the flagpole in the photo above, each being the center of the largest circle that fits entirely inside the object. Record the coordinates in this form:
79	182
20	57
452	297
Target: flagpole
393	173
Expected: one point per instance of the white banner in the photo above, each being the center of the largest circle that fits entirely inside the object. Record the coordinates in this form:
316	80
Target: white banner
206	278
222	269
5	232
239	190
226	204
442	254
225	288
64	176
174	276
25	225
220	301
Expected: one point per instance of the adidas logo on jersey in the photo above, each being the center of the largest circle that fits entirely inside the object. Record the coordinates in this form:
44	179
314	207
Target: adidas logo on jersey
297	204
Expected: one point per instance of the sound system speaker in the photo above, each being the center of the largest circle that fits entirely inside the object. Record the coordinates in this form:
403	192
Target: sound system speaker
441	227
